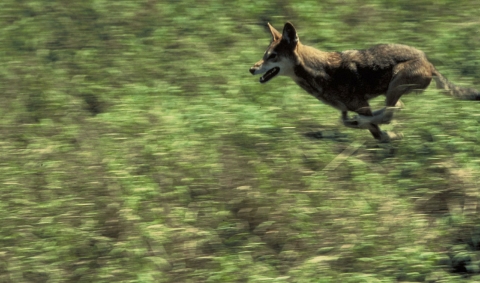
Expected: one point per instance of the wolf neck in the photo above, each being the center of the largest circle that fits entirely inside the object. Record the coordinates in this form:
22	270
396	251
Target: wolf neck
315	59
309	67
310	70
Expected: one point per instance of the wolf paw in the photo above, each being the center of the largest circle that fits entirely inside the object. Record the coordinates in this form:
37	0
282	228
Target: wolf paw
390	136
350	123
358	122
362	122
384	115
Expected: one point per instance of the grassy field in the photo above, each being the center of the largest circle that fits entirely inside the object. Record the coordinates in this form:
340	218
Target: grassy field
136	147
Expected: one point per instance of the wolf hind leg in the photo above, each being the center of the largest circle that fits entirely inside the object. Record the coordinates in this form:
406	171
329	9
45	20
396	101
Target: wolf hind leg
366	117
373	128
385	115
410	76
357	122
363	121
393	104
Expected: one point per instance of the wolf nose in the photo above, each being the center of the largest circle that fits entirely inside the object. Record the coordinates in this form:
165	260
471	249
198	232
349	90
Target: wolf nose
252	70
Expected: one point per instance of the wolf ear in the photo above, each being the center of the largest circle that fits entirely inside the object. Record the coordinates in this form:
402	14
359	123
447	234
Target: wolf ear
290	34
275	33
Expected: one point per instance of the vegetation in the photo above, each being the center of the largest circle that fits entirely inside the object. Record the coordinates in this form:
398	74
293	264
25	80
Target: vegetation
136	147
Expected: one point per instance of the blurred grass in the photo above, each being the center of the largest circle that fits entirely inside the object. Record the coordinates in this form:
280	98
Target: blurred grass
136	147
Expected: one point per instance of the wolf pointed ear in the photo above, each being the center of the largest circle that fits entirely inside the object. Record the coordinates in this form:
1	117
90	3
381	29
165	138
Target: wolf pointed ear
275	33
290	34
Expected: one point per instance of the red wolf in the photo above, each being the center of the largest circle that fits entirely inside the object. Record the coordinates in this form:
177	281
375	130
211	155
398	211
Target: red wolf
347	80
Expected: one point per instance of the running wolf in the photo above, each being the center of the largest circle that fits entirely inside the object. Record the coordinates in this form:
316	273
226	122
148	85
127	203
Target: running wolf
347	80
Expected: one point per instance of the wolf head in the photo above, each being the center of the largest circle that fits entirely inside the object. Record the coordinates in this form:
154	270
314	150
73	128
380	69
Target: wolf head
279	58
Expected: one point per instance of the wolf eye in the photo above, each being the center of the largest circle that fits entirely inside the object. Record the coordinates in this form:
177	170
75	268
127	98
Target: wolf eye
272	56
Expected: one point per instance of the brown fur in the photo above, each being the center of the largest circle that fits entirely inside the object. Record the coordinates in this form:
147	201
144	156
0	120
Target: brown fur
347	80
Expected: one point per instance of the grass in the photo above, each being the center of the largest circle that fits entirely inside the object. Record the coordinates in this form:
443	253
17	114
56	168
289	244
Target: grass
136	147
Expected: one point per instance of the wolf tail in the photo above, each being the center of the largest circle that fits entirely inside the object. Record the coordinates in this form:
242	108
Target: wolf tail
453	90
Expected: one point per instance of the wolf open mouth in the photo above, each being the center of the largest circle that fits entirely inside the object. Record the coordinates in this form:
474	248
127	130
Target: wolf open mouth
269	75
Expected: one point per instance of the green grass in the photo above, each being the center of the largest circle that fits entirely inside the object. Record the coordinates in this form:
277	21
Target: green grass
136	147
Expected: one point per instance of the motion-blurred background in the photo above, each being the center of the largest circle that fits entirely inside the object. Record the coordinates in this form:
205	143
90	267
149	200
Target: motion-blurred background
135	146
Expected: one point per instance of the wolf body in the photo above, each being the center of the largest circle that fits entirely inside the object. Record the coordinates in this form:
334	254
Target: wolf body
348	80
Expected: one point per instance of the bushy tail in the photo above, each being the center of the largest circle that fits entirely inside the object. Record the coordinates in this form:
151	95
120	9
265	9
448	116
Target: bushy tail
453	90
